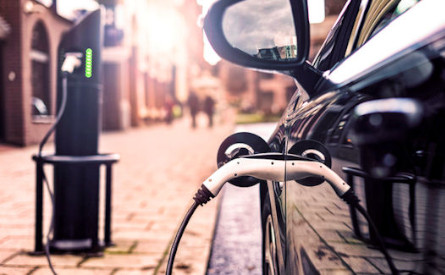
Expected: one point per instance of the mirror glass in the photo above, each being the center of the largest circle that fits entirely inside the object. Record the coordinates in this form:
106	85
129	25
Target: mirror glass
262	28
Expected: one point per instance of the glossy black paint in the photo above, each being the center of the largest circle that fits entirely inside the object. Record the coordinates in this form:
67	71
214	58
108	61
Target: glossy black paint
406	164
418	73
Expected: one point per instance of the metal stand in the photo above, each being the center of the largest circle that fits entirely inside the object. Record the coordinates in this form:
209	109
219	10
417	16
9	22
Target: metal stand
96	160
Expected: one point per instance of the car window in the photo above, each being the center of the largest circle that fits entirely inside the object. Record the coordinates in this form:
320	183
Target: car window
347	35
334	46
380	14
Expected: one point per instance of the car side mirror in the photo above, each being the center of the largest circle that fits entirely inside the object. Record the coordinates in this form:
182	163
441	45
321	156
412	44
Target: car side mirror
262	34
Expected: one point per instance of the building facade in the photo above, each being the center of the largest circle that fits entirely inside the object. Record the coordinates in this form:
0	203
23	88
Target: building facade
28	70
149	48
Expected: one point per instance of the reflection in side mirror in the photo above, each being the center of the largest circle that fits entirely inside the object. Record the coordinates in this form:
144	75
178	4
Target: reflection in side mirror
262	34
262	28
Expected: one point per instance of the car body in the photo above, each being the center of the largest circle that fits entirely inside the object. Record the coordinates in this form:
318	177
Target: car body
380	121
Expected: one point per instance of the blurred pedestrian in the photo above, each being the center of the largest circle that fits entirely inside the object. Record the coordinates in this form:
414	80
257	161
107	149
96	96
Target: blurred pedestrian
209	108
193	103
168	106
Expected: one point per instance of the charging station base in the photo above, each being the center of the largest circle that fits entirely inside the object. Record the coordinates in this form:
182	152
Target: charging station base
91	245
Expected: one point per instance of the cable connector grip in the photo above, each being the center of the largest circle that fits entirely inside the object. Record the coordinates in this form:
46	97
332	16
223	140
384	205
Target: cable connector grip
203	195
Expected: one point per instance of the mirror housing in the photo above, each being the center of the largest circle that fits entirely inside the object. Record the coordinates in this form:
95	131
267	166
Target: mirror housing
213	27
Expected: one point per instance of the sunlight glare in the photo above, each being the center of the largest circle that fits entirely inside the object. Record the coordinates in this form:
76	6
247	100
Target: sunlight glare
209	54
316	11
67	8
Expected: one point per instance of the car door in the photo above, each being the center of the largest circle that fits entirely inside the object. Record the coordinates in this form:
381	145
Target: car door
303	113
325	119
273	214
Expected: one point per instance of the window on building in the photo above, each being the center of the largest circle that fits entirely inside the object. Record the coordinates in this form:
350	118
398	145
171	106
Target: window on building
41	95
113	34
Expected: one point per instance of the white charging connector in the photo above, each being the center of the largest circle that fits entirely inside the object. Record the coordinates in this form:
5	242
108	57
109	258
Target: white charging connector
274	167
274	170
72	61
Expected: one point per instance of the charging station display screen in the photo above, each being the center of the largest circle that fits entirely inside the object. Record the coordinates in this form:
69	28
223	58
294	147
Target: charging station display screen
88	63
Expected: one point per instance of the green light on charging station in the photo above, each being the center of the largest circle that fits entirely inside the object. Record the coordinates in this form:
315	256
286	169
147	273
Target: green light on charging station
88	63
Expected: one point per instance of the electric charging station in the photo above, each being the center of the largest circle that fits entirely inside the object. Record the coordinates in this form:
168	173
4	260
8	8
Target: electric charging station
76	188
77	160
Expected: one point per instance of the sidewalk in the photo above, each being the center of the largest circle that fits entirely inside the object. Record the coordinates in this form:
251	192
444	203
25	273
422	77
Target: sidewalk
161	167
237	242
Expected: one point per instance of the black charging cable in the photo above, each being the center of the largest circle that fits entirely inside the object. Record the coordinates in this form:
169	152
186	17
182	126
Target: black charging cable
39	154
58	116
201	197
379	238
185	221
351	199
204	195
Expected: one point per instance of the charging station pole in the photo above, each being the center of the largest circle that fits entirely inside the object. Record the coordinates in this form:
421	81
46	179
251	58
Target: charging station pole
76	187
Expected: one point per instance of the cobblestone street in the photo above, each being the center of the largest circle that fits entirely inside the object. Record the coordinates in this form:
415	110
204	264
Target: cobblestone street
160	169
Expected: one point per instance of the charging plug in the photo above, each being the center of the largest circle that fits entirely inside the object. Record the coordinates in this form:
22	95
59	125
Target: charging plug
275	167
72	61
271	166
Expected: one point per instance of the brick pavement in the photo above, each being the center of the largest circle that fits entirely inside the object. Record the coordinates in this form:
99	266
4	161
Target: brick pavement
160	169
325	226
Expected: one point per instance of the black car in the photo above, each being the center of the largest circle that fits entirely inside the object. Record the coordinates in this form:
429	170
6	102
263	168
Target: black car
372	106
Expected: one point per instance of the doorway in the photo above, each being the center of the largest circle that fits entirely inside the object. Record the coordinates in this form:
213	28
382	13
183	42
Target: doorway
41	96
